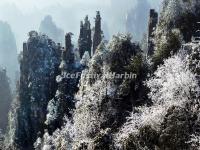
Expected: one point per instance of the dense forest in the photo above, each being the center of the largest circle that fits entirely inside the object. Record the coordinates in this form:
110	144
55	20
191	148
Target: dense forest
58	105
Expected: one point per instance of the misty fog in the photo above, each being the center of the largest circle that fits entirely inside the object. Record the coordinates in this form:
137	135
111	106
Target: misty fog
26	15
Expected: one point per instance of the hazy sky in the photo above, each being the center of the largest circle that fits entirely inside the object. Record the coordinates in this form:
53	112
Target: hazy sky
26	15
30	5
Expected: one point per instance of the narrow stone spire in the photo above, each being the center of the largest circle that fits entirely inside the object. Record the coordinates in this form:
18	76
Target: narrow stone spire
153	20
63	65
85	37
67	56
97	32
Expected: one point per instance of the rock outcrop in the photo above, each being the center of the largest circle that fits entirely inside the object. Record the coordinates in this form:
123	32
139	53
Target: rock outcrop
97	37
85	37
153	20
39	66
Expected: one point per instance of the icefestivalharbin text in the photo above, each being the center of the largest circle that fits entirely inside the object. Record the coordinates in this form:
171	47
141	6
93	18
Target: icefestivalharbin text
111	75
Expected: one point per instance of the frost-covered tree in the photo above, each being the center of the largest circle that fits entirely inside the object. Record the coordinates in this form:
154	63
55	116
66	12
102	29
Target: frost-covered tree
179	15
167	46
61	139
86	120
47	145
172	10
85	59
173	84
194	141
193	58
118	58
100	104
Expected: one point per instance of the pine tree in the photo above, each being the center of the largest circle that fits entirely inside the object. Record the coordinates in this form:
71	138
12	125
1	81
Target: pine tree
97	32
85	41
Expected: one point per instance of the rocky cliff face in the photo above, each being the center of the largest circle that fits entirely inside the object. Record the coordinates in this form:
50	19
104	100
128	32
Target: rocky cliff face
39	65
